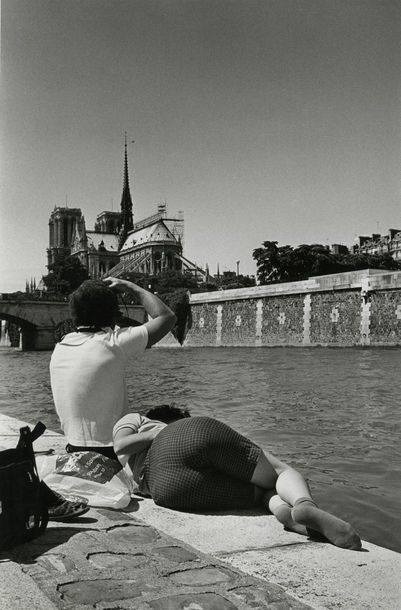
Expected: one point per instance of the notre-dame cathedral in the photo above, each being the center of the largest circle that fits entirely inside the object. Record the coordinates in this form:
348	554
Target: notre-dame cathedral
118	244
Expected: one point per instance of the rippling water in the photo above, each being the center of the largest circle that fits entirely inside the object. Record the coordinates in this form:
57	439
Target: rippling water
333	413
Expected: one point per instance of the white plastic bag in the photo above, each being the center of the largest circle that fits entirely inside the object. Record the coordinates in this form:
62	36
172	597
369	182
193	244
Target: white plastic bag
88	475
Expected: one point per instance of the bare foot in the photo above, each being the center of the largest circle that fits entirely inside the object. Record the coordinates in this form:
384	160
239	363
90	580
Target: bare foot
338	532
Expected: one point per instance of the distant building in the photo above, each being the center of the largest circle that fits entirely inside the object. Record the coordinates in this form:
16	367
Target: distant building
339	249
153	246
62	224
97	250
380	244
117	245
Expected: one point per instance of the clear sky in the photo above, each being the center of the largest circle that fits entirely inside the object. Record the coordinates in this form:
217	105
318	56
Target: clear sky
259	119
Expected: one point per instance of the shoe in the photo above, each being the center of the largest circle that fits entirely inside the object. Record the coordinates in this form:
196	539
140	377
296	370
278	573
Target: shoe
63	510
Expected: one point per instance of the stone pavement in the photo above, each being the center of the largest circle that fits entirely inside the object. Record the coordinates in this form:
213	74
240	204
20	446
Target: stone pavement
147	557
107	559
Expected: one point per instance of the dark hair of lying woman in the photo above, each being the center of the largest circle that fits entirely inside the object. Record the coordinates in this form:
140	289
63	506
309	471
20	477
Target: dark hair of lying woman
167	413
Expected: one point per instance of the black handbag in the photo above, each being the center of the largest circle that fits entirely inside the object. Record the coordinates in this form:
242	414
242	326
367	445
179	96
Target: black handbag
23	508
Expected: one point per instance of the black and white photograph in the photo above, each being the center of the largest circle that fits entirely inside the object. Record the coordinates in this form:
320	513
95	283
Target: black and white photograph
200	304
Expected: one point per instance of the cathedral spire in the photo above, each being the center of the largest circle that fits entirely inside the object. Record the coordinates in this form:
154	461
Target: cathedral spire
127	222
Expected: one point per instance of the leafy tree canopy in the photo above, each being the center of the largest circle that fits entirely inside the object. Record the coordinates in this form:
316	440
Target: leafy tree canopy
168	281
173	288
65	274
287	264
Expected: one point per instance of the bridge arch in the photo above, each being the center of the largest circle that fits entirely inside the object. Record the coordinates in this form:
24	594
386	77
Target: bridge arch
35	319
39	318
26	330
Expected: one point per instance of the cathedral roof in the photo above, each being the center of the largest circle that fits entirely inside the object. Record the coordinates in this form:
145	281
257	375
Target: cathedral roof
157	232
95	239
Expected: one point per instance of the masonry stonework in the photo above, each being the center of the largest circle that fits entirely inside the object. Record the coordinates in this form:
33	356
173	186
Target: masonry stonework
203	326
283	320
238	323
358	308
385	317
336	318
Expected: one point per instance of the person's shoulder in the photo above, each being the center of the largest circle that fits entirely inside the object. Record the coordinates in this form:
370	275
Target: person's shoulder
130	331
66	347
73	339
132	339
130	420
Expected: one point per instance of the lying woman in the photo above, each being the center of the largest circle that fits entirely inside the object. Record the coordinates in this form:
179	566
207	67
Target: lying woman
201	464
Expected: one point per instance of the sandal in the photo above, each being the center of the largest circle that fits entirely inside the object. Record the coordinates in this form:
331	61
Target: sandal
64	509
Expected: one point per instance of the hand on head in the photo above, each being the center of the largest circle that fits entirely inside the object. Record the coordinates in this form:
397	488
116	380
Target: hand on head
114	283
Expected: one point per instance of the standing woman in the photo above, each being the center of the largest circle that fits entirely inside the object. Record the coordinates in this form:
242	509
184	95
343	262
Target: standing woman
201	464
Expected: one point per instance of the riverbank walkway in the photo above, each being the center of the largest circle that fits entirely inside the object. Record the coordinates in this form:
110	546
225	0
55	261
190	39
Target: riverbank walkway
151	558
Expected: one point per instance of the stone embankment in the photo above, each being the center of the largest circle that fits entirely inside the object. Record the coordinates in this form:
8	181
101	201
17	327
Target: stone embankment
340	310
150	558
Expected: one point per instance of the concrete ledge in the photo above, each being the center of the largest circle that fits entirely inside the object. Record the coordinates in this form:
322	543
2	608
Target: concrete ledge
249	542
254	292
379	280
316	573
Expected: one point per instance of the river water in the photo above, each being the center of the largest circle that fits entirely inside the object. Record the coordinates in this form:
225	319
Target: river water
334	414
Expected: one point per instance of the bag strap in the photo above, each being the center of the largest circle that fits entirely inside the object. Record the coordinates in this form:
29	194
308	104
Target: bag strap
38	431
25	441
27	437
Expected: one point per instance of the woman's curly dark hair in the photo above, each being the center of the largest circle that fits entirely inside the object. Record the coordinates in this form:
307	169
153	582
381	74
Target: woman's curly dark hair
167	413
94	304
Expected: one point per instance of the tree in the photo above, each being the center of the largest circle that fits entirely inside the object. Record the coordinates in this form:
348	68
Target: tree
65	274
169	281
374	261
269	262
164	282
173	288
309	260
235	281
286	264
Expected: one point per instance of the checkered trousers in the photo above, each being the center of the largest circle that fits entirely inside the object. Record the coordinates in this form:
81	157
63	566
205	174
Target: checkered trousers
199	463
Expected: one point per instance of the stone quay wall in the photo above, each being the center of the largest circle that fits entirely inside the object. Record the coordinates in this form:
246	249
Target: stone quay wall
343	309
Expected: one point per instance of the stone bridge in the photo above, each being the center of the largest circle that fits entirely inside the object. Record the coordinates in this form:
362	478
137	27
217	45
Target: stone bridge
38	319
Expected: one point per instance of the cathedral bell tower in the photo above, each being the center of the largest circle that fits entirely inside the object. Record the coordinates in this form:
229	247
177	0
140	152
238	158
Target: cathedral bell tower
127	222
62	224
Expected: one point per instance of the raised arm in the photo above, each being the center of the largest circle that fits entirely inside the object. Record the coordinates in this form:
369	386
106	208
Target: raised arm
163	319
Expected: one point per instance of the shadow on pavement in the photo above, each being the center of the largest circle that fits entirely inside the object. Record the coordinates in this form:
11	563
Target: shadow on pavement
28	552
